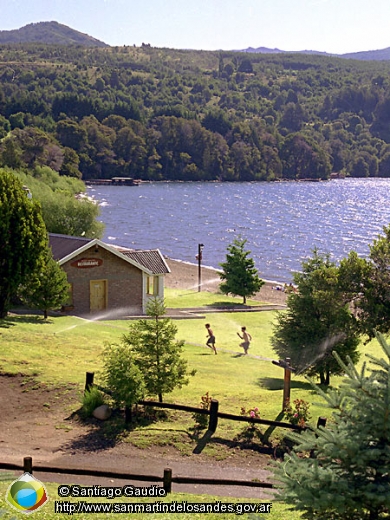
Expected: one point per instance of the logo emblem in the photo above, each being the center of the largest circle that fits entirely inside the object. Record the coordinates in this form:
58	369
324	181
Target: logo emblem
27	494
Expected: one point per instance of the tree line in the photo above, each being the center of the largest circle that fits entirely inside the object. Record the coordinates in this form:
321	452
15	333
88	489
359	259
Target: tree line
165	114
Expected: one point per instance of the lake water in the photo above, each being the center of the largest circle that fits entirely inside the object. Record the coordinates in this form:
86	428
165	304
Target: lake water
282	222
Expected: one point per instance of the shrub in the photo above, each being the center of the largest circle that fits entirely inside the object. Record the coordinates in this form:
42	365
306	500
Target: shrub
90	400
202	419
299	414
121	375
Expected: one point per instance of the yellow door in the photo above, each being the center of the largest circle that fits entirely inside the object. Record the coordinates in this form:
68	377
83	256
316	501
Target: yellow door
98	295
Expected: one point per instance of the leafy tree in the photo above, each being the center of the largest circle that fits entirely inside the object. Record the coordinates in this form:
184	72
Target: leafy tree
293	117
10	153
23	238
67	215
359	167
384	166
239	274
348	478
47	288
70	164
156	352
217	121
245	66
304	159
317	320
372	286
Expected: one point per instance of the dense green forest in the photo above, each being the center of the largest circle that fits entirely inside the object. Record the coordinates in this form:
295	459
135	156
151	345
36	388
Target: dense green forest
165	114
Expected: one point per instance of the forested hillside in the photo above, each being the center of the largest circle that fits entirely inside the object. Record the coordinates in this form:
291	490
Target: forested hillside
192	115
49	32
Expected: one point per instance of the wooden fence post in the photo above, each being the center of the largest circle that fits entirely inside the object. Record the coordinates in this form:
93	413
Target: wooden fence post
213	421
167	481
89	376
27	465
287	384
321	421
128	415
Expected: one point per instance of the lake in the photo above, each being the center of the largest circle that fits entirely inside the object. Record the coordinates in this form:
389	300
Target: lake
282	221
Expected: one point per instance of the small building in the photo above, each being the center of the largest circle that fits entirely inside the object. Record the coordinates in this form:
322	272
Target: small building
105	278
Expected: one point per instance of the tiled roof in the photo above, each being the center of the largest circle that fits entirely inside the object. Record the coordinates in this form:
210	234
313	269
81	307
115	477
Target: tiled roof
64	245
151	260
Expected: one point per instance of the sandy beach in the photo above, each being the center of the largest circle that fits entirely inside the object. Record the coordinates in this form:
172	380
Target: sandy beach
184	275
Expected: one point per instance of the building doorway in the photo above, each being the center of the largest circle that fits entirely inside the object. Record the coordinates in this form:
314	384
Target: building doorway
98	295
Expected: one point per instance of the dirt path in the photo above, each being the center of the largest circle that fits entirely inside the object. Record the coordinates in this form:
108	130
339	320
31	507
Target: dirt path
36	421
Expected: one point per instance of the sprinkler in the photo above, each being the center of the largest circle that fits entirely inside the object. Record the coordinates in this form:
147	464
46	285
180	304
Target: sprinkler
283	364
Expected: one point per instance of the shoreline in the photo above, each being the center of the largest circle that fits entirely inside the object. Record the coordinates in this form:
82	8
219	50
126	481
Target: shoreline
211	268
184	275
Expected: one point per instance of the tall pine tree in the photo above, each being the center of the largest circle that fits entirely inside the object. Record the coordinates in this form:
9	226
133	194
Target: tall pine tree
348	475
239	275
23	238
156	351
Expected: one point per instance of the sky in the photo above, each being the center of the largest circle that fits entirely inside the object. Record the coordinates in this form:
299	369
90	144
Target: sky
333	26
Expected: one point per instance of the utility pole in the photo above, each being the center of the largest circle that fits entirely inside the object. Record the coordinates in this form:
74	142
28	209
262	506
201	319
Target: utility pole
199	258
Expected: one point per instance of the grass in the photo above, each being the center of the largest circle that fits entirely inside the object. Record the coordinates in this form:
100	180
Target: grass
61	350
278	511
48	350
175	298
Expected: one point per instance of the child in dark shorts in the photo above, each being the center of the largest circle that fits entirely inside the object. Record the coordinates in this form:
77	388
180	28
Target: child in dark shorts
211	338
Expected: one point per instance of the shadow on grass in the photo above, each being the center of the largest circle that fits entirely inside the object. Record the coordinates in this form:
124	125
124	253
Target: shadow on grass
270	430
105	435
275	383
11	321
250	438
227	305
245	440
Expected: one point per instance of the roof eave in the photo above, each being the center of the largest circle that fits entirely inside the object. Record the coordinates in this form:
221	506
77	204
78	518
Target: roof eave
97	242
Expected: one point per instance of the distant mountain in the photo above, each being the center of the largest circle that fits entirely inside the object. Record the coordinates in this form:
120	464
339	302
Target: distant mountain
382	54
377	55
49	32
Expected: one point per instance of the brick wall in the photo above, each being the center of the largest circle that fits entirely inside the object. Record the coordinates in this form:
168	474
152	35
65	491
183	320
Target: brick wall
124	282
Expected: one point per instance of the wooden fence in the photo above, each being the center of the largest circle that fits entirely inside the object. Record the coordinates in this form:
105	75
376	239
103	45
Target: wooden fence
213	412
167	478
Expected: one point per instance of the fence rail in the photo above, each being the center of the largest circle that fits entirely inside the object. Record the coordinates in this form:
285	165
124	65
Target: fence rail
167	478
213	412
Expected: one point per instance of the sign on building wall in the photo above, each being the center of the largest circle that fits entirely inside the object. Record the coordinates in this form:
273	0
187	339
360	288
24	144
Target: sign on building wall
84	263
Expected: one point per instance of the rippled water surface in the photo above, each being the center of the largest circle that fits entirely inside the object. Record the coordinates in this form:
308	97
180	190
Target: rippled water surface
282	222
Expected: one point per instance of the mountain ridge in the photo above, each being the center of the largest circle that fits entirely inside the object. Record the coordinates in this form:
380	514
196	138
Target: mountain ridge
49	33
377	55
55	33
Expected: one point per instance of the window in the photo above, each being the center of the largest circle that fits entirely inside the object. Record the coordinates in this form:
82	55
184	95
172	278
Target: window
152	285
